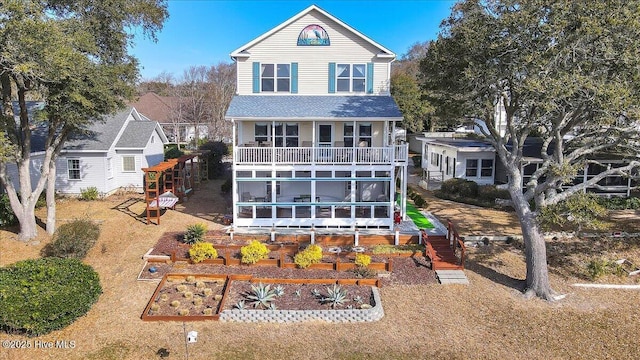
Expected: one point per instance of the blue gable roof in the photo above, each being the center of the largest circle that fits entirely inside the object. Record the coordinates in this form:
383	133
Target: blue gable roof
312	107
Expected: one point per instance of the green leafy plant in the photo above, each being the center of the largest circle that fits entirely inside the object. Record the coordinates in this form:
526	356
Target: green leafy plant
200	251
73	239
261	296
312	254
89	194
601	267
336	296
362	260
577	211
42	295
7	217
254	252
195	233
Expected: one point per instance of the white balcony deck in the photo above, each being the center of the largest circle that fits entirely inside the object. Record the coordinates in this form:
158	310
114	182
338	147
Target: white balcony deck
321	155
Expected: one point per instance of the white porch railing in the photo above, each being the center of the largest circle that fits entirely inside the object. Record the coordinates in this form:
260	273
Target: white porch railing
321	155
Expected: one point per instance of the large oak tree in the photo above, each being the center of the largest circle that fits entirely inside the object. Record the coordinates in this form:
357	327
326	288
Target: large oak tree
72	53
566	70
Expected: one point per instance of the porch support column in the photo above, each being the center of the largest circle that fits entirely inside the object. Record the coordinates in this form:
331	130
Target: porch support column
234	183
404	191
274	209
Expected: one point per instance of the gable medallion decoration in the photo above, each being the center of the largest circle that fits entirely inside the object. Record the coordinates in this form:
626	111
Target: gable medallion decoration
313	35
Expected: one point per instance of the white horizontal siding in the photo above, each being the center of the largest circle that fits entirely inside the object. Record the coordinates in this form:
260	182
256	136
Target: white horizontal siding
92	173
246	131
313	61
133	179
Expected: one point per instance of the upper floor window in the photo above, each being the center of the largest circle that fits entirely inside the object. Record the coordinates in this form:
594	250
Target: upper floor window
351	77
73	169
275	77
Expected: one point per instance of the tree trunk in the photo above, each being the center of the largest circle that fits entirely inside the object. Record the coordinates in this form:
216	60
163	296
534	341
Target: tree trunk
535	250
27	218
51	199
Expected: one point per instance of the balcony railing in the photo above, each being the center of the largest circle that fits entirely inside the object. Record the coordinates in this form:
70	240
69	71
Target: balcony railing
321	155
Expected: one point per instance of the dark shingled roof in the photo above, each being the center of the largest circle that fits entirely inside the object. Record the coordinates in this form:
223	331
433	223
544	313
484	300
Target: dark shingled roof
101	134
136	134
313	107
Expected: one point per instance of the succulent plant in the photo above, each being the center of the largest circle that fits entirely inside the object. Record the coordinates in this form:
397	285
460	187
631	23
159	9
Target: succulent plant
175	303
200	284
298	293
262	295
272	306
358	299
188	294
183	312
240	305
278	290
316	293
336	296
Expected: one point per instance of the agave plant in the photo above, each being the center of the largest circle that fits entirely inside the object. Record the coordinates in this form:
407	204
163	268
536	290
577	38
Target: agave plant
358	299
278	290
298	293
240	305
336	296
316	293
262	295
272	306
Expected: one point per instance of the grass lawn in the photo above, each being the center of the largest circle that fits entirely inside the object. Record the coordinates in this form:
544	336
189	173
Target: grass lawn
418	218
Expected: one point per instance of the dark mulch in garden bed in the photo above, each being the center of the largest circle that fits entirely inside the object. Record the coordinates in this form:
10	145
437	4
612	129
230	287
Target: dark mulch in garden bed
406	271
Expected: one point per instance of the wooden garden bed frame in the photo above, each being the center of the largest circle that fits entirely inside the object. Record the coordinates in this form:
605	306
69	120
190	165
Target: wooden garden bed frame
227	286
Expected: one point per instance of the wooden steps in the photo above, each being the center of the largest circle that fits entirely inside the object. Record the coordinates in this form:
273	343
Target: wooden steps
442	255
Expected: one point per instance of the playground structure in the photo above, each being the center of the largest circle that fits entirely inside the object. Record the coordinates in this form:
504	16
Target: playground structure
173	181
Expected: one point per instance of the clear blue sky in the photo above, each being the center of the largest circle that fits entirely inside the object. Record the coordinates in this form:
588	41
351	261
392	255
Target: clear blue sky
204	32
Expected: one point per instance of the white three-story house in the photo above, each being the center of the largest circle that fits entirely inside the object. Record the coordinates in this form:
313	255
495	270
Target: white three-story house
314	125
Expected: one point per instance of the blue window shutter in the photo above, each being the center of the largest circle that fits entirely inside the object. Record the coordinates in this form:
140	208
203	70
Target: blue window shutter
256	77
332	78
294	78
369	78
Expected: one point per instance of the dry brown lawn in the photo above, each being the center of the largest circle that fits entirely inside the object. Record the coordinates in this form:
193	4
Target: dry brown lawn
487	319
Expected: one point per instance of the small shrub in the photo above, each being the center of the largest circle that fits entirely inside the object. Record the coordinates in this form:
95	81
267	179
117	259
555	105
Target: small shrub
7	217
460	187
362	260
187	295
190	279
195	233
225	188
601	267
200	251
207	292
200	284
417	161
175	303
173	153
89	194
42	295
197	301
154	307
183	312
73	239
311	255
207	311
253	252
164	297
181	288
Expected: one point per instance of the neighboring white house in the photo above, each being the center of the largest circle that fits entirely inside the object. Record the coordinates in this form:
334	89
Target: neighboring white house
314	129
447	158
108	157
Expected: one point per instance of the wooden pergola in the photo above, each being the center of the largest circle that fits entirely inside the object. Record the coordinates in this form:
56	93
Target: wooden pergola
172	181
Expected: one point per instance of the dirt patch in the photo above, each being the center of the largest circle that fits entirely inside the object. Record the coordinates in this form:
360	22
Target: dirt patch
182	298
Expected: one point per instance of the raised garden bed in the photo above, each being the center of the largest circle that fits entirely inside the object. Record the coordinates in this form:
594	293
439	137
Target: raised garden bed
181	297
189	297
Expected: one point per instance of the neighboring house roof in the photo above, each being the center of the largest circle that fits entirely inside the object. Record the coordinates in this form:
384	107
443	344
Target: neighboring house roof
462	145
242	51
136	134
101	134
155	106
248	107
